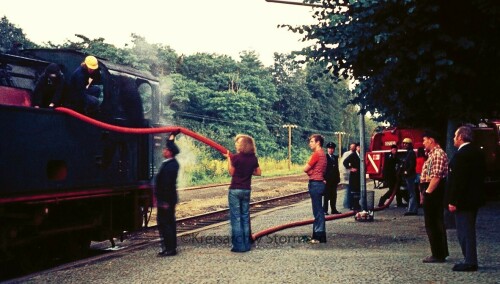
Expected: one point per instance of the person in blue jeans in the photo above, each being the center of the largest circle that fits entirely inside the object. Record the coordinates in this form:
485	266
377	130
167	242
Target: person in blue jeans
315	169
409	174
241	167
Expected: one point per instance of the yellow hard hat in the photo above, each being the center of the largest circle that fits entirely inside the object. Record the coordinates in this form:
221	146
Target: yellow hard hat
91	62
407	140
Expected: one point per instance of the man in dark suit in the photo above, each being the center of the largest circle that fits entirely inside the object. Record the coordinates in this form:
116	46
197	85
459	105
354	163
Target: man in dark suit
332	177
352	163
464	194
166	198
389	173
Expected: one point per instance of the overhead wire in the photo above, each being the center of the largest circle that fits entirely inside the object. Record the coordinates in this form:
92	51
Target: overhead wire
210	118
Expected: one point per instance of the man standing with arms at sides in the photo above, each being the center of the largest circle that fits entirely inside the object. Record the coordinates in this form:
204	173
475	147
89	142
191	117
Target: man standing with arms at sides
315	169
464	194
166	198
332	177
433	178
352	163
347	197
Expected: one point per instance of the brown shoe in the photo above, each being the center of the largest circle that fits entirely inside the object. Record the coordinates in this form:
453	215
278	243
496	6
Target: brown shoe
432	259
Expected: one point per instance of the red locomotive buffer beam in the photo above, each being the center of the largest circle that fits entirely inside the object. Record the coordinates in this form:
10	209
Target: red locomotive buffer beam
129	130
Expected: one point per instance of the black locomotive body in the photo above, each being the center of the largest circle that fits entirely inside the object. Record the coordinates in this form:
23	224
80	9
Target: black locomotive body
63	181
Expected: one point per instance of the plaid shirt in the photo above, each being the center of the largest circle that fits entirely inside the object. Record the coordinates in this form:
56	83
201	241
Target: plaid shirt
435	166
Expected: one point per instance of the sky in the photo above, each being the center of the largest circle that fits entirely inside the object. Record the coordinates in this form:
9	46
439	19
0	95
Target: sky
188	26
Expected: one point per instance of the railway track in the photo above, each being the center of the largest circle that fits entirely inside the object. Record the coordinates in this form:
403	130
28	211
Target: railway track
134	241
203	220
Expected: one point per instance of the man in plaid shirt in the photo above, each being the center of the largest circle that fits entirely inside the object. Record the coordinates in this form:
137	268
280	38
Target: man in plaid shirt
433	179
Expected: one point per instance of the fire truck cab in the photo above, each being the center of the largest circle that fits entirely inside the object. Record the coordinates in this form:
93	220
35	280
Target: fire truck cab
380	147
486	137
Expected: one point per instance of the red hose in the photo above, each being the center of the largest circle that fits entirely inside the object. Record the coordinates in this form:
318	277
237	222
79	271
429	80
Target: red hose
129	130
271	230
298	223
214	145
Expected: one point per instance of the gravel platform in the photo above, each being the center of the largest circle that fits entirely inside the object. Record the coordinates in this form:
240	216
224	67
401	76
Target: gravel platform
388	250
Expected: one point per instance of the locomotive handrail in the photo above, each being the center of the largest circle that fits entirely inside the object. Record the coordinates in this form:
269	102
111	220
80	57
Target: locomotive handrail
155	130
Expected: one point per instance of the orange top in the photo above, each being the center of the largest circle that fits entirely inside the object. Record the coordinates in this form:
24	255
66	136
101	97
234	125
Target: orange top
317	162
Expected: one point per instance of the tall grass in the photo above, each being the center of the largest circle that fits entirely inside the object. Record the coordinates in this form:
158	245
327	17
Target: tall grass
199	168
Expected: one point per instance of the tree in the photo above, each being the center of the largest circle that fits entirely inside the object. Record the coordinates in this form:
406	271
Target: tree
225	96
159	59
255	78
418	63
295	104
211	70
12	37
332	96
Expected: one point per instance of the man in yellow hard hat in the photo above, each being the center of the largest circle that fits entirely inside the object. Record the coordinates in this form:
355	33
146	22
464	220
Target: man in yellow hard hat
84	92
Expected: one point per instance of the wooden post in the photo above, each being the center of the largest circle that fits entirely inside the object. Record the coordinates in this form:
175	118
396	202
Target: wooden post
340	133
289	126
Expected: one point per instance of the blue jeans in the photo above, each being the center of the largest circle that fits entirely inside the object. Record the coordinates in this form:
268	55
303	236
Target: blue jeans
347	198
414	200
316	191
239	215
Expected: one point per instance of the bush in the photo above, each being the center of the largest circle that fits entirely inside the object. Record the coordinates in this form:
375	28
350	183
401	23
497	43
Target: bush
197	167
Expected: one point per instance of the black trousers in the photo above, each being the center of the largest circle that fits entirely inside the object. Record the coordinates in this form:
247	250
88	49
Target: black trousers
330	195
390	183
434	221
400	194
167	228
466	233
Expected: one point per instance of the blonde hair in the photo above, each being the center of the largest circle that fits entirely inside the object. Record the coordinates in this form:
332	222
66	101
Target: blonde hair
246	144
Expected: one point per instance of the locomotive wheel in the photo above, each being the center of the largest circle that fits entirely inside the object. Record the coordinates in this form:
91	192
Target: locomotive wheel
76	246
33	258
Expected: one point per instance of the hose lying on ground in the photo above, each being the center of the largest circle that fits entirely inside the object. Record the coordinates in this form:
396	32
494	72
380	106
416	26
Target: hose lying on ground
327	218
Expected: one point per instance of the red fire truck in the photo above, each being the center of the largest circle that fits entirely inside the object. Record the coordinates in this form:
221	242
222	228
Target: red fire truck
486	133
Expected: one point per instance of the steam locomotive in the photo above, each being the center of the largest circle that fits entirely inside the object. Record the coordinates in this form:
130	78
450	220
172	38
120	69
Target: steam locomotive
65	182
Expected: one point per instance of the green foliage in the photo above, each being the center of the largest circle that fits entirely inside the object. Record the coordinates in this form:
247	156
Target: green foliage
197	167
159	59
12	37
295	104
417	62
220	97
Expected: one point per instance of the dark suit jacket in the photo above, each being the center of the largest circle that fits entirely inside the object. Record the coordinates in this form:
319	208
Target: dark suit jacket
353	161
166	182
389	171
465	180
332	174
409	163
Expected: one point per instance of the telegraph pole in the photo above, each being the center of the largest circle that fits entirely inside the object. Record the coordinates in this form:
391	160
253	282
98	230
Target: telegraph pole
362	169
289	126
340	133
